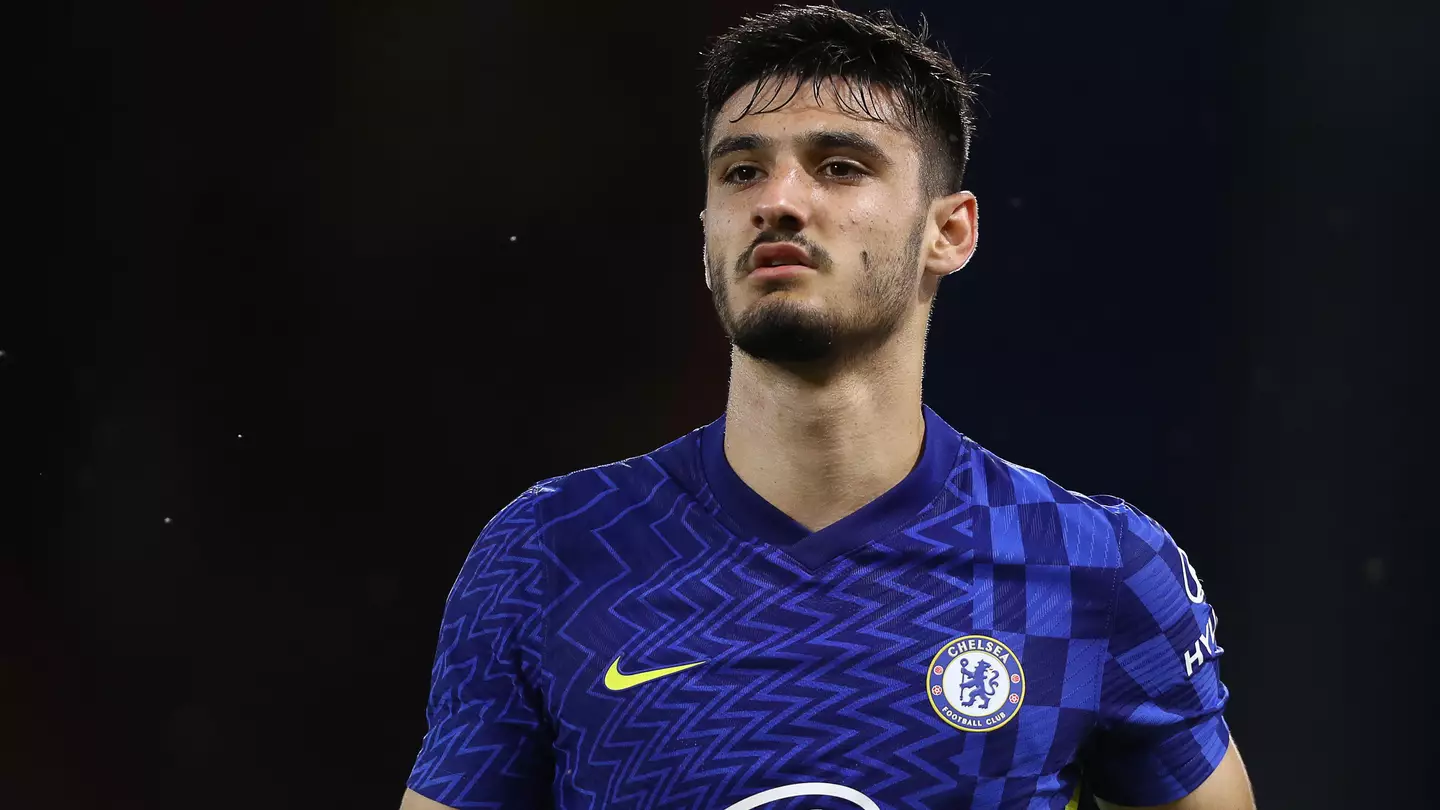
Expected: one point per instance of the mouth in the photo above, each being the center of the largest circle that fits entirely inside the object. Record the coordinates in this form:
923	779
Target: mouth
777	272
770	259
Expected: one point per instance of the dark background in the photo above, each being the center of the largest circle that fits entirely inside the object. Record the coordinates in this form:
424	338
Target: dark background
325	286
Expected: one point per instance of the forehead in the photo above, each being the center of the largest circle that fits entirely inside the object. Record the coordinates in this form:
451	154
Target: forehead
790	105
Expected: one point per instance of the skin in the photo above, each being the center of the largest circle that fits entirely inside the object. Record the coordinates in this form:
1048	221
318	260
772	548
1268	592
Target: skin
822	429
1227	788
823	437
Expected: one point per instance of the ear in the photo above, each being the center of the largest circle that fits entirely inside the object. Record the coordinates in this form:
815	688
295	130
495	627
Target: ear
957	232
705	252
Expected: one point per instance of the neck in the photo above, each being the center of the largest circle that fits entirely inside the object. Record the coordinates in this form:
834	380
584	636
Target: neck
820	445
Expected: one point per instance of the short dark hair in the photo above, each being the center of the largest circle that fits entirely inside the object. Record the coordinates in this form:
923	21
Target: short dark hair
820	43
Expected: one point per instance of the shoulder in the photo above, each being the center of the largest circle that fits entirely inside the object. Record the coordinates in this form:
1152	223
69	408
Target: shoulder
1100	531
1109	545
592	496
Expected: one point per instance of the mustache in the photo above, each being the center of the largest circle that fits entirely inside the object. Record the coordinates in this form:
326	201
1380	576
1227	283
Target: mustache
818	255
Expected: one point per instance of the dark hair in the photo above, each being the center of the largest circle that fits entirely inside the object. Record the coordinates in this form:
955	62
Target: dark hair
819	43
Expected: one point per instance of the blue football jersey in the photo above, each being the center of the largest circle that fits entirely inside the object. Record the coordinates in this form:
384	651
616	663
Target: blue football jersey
654	634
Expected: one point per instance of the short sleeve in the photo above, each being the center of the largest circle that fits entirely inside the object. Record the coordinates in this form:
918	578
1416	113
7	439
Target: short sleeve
488	742
1161	731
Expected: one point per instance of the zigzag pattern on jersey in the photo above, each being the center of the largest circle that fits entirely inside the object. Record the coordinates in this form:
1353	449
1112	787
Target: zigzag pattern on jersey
958	519
500	599
814	648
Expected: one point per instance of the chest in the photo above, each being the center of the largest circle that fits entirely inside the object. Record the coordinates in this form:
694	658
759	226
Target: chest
698	660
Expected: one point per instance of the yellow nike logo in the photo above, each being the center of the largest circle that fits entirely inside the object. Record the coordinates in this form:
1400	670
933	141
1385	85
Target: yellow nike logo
615	680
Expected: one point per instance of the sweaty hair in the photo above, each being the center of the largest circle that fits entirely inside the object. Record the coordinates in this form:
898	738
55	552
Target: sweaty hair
818	44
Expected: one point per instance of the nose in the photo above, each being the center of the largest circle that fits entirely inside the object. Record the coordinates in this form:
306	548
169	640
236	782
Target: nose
783	201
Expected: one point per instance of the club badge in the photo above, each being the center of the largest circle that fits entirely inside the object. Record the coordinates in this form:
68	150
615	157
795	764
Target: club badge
975	683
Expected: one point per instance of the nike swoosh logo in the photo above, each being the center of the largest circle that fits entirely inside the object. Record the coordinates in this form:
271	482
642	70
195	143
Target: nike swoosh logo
615	680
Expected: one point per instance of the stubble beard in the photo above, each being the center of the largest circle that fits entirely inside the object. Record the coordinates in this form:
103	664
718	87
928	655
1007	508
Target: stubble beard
779	330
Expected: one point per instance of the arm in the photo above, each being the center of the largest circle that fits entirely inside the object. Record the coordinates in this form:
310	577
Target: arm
1161	739
414	801
1228	788
488	741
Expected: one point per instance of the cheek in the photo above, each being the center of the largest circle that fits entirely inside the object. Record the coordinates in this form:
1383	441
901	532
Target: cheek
868	219
871	235
722	234
881	235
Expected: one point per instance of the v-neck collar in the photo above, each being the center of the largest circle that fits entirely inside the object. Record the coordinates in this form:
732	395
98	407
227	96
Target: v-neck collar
752	515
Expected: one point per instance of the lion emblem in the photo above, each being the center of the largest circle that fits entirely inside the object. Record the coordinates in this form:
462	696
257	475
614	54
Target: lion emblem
980	680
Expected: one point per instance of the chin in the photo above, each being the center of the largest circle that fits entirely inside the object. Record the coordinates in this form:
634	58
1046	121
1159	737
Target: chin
781	328
784	304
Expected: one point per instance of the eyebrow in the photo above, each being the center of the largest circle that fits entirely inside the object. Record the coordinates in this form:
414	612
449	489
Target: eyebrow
821	140
740	143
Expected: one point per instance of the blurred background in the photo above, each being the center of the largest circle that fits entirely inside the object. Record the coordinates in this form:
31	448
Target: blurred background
323	286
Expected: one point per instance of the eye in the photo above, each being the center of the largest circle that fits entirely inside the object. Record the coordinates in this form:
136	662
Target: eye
740	174
843	170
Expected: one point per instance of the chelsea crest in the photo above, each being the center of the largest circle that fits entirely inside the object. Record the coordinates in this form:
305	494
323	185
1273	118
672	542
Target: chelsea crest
975	683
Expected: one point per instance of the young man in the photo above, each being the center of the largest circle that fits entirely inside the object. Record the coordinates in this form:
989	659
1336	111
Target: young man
828	597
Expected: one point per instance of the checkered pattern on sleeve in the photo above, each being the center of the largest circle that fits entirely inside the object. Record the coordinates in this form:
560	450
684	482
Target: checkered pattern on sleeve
1160	731
488	743
1044	588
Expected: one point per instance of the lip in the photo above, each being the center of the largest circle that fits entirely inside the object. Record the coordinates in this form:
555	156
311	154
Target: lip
791	256
780	271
